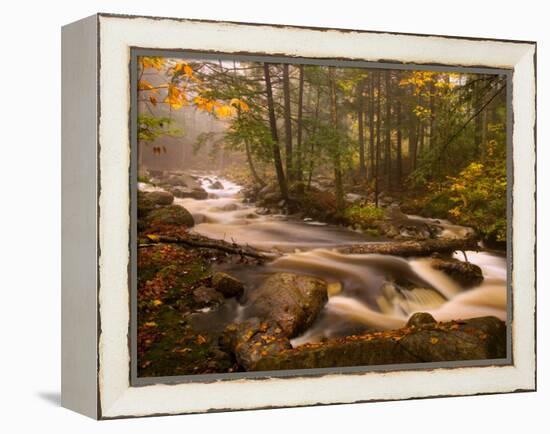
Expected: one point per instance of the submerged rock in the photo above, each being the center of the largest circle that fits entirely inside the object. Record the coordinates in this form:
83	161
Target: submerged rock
293	301
227	285
171	215
464	273
217	185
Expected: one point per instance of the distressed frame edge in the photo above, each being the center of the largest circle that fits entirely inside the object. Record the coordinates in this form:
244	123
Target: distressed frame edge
529	385
79	217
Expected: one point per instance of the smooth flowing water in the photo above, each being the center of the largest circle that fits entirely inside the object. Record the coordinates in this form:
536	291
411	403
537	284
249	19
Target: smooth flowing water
365	291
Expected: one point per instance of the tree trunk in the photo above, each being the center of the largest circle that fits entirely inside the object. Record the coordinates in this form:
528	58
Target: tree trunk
432	114
299	150
371	127
387	125
377	158
312	149
361	129
338	186
253	172
274	136
288	125
399	162
413	247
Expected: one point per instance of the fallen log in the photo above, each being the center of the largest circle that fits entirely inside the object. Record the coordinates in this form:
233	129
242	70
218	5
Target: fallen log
413	247
259	346
206	243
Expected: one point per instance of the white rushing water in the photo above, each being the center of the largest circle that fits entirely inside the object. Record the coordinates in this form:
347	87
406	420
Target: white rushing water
366	291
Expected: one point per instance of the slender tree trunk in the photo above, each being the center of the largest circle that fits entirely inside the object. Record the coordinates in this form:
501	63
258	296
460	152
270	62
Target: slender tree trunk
257	179
483	138
361	129
388	128
288	124
299	150
312	149
377	158
413	141
274	136
431	137
339	190
399	162
371	127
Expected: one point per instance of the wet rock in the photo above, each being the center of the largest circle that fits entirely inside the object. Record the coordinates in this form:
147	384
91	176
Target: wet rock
144	204
293	301
253	340
184	192
464	273
217	185
475	339
171	215
205	296
226	284
419	319
161	198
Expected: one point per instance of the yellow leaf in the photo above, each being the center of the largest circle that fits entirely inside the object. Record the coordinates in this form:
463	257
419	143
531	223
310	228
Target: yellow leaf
150	324
188	71
434	340
157	302
153	237
176	97
240	104
144	85
152	62
224	111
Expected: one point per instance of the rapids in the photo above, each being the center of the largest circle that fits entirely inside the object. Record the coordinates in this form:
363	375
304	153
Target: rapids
365	291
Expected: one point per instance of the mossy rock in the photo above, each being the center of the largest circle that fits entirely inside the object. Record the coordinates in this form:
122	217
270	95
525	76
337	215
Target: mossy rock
226	284
171	215
161	198
144	205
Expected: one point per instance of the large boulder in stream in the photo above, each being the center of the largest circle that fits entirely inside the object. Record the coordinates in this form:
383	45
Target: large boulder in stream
293	301
422	340
171	215
464	273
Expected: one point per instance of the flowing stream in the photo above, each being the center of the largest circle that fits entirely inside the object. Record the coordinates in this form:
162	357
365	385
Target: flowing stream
366	291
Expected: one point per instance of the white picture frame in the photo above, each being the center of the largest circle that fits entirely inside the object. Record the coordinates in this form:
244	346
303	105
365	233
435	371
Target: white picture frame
96	378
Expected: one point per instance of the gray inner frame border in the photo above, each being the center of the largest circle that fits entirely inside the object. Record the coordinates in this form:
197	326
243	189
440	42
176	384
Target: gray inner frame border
136	52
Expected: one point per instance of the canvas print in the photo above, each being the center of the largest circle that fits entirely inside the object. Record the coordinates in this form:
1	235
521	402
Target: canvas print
298	216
